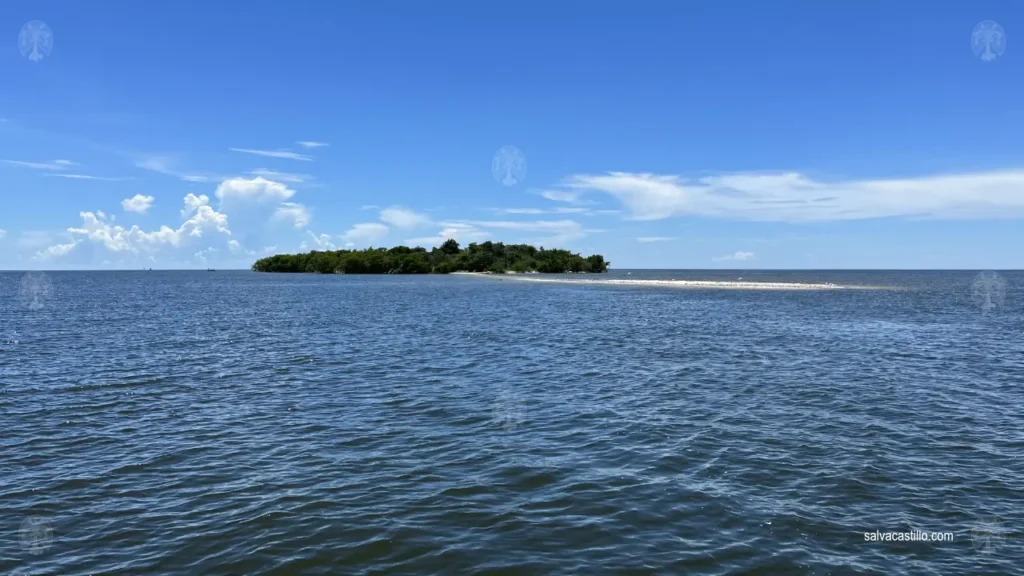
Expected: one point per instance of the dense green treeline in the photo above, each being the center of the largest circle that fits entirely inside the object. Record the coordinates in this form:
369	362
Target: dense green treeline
449	257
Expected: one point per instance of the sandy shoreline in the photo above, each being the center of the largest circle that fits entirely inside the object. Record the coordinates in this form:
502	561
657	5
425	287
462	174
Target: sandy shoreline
715	284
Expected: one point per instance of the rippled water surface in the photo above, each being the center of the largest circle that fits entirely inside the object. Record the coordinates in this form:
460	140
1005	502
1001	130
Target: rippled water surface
238	423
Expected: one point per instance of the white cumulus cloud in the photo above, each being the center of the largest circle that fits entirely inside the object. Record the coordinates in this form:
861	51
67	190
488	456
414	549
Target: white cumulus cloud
201	256
98	228
263	251
295	214
193	202
55	251
318	242
138	203
257	189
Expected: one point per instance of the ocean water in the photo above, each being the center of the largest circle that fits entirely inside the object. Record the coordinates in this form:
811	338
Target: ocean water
239	423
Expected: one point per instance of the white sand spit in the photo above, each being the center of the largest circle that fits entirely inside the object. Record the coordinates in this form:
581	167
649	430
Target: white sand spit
707	284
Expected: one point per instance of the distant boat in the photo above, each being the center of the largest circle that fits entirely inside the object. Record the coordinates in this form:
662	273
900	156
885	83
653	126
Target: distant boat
210	270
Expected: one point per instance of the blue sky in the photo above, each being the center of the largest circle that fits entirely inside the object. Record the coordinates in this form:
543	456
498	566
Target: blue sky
662	134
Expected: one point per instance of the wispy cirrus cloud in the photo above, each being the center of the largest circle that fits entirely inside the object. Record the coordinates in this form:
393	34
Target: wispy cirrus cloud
56	168
568	196
403	218
737	256
89	177
461	232
530	226
794	197
565	210
167	165
52	165
286	154
549	231
557	210
312	144
289	177
650	239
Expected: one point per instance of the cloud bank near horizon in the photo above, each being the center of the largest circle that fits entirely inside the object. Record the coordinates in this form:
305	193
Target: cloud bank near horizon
788	197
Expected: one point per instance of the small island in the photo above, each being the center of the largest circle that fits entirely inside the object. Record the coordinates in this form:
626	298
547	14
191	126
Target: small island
493	257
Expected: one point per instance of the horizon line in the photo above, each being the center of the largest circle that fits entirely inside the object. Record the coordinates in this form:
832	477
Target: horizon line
610	269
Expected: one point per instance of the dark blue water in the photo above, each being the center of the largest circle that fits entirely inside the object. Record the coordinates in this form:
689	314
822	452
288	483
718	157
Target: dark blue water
237	423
